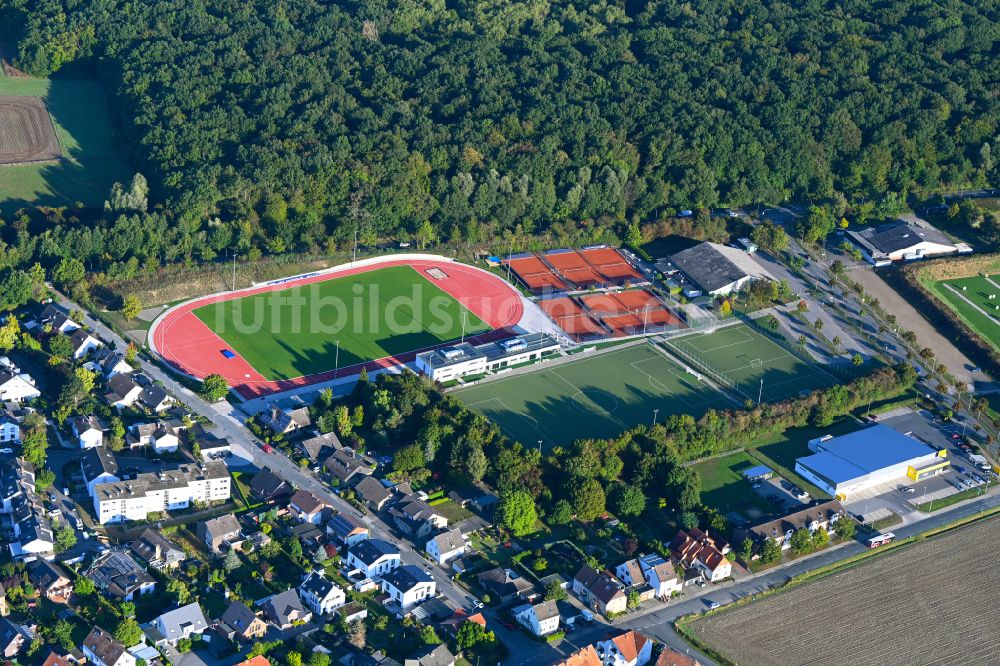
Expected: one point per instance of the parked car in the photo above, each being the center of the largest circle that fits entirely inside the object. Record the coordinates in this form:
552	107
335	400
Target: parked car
712	605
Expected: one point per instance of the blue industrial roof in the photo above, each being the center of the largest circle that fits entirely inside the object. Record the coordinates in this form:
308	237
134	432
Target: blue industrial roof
864	451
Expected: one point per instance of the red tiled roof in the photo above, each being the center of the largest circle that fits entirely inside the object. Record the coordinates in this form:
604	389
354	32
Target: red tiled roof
630	644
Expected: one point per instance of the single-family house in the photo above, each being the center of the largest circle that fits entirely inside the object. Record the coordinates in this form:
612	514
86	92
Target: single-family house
320	594
89	430
408	585
122	391
702	554
218	531
505	586
416	518
54	319
540	619
346	529
670	657
628	649
308	508
585	656
56	659
155	398
660	575
16	386
599	591
102	649
650	570
282	421
371	491
446	546
109	362
51	580
374	558
267	486
240	623
117	575
344	465
285	610
320	446
163	436
10	425
12	638
83	343
436	655
156	551
183	622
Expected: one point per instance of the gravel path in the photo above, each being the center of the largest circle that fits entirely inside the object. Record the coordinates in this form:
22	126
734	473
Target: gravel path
909	318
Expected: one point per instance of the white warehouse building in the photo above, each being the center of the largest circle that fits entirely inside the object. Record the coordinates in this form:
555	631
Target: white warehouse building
844	466
464	359
161	491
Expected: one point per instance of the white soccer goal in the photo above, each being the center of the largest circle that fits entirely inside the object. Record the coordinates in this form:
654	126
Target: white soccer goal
756	363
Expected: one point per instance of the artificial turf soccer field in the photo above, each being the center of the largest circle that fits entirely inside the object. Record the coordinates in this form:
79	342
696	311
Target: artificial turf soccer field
745	356
595	396
288	345
974	305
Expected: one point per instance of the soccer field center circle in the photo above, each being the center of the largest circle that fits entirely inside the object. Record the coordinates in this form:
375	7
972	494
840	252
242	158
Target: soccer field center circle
189	346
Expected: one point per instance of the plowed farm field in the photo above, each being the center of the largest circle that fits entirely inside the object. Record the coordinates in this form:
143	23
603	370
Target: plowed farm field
26	131
934	602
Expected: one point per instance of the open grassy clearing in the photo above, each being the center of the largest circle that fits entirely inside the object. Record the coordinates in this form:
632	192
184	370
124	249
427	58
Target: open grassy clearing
90	163
745	357
595	396
932	602
294	332
724	488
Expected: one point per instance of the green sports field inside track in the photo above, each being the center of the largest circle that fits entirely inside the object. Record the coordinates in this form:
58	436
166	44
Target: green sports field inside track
294	332
593	396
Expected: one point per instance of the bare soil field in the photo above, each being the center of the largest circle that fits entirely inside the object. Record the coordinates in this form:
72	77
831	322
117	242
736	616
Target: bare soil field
933	602
26	131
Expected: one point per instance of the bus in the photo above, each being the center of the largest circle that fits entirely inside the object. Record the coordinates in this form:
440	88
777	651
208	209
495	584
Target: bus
881	539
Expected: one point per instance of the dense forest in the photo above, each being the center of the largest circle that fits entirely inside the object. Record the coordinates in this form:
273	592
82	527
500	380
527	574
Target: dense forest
280	125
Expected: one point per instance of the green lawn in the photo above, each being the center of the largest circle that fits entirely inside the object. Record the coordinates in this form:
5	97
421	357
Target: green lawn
294	332
977	290
723	488
92	164
745	356
595	396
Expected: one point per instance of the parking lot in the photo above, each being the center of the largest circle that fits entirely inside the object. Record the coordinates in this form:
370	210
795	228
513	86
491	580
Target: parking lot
873	502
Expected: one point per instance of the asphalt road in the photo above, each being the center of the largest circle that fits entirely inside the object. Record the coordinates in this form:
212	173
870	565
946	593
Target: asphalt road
657	622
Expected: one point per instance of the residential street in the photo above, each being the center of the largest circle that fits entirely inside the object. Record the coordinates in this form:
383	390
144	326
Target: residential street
657	622
225	418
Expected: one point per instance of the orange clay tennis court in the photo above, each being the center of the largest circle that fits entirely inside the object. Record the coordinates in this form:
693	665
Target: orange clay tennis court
610	263
570	317
575	268
535	275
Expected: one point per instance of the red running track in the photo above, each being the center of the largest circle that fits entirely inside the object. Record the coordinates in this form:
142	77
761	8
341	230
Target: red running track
187	344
